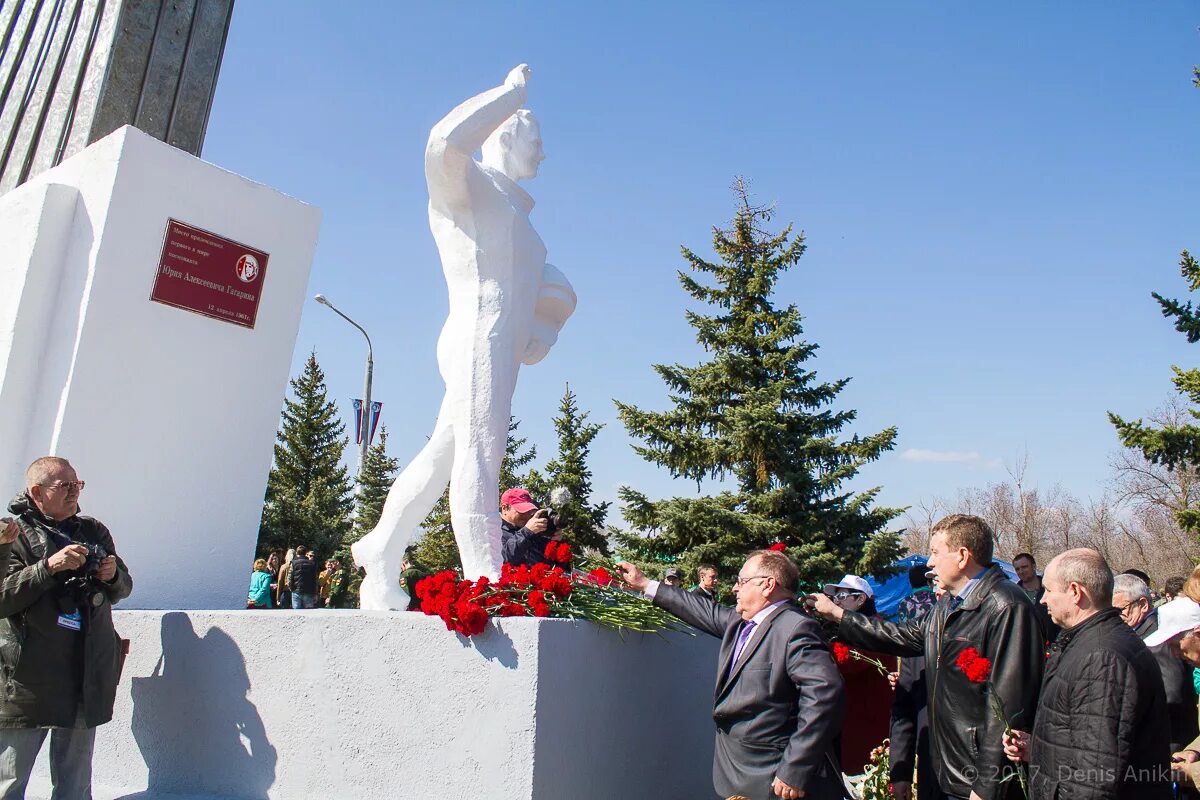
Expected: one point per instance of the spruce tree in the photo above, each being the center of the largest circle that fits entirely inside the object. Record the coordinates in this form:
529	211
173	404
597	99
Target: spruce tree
582	522
308	490
436	549
379	470
1174	446
754	416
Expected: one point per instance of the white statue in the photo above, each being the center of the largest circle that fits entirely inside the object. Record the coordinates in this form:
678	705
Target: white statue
507	306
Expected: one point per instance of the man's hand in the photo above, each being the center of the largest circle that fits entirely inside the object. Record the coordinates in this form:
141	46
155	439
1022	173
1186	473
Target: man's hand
11	531
108	569
1185	757
70	557
632	577
1016	746
518	76
824	607
893	679
902	791
781	789
537	525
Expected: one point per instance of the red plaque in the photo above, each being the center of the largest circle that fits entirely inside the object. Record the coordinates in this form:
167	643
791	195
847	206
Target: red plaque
209	274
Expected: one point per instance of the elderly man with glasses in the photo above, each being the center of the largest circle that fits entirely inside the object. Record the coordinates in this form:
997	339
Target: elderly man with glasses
779	698
1131	597
58	649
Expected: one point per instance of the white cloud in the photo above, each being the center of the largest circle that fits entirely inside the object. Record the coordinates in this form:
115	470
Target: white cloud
965	457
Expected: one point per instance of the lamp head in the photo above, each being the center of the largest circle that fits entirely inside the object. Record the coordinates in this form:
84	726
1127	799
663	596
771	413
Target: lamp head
320	298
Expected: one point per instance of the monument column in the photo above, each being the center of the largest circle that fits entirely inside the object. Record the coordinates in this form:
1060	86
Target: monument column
74	71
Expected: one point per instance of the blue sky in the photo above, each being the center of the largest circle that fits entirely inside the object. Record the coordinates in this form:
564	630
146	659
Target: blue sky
989	194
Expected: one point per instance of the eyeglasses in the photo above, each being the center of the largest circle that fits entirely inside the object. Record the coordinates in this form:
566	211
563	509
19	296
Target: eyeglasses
69	486
1125	608
743	581
844	595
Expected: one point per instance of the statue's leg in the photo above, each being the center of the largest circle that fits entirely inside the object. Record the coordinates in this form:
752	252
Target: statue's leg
413	494
481	433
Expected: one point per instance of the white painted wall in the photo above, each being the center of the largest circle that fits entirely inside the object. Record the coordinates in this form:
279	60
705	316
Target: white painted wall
169	416
363	705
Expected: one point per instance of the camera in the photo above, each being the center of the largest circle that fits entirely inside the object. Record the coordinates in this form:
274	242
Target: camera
81	588
552	518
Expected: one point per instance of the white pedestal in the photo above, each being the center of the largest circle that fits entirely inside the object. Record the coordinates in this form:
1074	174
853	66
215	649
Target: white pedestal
168	415
368	705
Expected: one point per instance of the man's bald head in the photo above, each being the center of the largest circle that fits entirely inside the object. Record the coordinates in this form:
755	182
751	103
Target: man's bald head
1088	569
44	470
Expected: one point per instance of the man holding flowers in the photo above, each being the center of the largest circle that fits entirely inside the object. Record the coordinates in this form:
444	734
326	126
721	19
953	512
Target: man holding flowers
779	697
1102	729
982	610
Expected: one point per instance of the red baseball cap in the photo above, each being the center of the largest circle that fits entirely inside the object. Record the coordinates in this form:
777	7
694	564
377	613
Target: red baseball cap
519	500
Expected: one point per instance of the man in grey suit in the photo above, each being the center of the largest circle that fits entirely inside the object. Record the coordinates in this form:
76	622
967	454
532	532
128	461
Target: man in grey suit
779	697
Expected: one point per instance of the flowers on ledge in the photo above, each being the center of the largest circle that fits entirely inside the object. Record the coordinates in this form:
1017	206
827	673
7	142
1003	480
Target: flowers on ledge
540	591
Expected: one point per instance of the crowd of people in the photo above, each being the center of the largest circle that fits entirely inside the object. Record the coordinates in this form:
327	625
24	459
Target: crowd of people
1069	683
292	581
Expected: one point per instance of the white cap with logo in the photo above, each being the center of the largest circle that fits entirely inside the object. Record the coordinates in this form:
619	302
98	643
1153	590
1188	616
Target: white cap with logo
1178	616
851	582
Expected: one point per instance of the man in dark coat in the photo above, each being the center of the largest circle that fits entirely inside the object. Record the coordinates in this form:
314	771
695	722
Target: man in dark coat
59	652
981	610
1101	729
909	736
1131	597
706	584
779	697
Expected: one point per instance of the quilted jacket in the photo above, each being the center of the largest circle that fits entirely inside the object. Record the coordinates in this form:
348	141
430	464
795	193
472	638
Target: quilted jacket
1101	729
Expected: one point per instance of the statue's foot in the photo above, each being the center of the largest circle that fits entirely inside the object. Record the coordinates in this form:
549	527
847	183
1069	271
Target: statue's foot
377	593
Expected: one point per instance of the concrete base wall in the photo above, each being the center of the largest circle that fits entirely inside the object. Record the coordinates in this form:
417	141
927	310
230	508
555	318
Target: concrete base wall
354	704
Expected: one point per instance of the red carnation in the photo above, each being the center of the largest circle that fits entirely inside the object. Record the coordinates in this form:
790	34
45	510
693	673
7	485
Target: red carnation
551	551
601	576
778	547
563	556
841	653
977	668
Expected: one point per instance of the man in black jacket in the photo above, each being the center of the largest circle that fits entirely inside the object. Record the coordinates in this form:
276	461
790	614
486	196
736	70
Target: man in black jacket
302	579
706	585
1101	729
524	533
59	653
1131	597
984	610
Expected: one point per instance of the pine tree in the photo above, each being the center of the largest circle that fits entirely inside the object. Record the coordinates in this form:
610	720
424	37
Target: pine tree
436	549
754	416
582	522
308	491
1174	446
379	470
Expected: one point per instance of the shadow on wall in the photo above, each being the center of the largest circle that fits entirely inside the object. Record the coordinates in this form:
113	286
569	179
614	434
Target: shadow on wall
196	728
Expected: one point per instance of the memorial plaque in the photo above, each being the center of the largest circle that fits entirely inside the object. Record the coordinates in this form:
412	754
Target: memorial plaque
209	274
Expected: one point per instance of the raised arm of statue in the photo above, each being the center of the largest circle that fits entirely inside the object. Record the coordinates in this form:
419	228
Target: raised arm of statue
453	141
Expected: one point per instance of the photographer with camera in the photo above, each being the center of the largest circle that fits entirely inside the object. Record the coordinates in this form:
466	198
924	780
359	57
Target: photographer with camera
59	653
525	529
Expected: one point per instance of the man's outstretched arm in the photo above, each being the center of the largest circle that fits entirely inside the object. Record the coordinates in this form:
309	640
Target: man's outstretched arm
453	141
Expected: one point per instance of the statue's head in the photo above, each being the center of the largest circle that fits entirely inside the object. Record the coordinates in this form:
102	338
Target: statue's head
515	148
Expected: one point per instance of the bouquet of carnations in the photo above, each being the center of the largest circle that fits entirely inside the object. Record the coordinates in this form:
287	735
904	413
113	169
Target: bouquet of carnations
542	591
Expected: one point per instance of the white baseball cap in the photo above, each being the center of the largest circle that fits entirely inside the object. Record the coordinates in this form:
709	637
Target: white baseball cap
851	582
1176	617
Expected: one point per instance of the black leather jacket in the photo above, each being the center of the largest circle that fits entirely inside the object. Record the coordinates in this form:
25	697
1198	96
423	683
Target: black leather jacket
998	620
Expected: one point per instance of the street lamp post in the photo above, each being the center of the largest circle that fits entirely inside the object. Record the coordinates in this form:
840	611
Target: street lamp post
364	429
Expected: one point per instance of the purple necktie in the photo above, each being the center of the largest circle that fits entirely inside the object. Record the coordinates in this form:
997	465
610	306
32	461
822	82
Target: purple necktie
743	637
